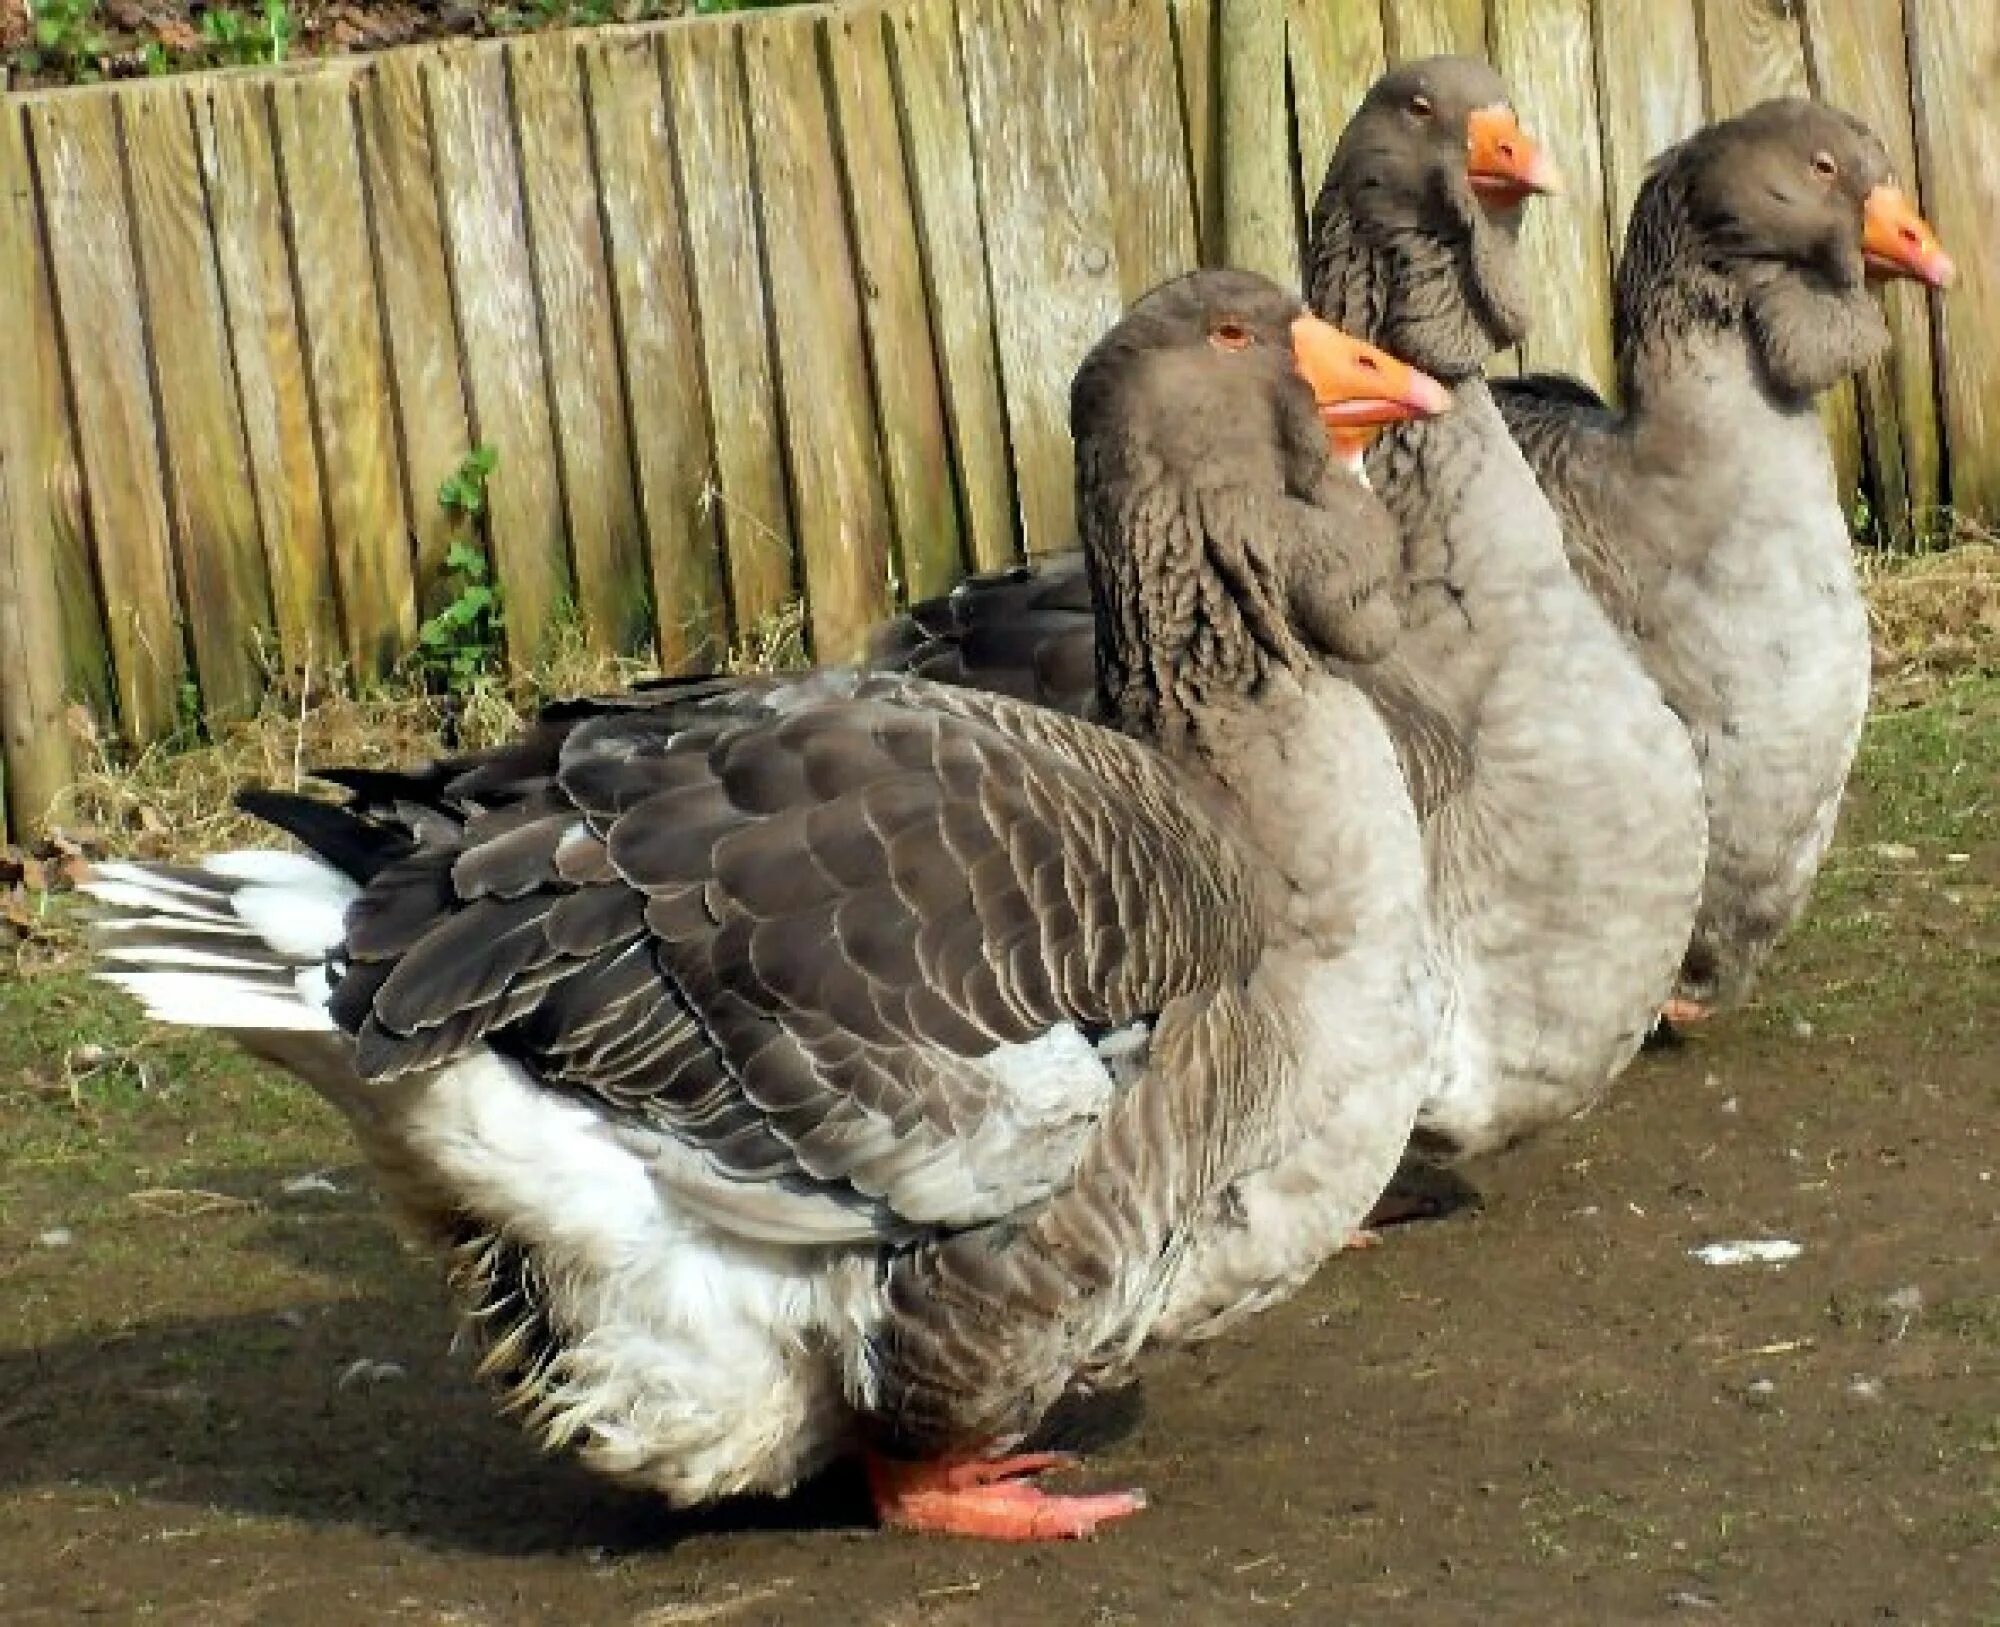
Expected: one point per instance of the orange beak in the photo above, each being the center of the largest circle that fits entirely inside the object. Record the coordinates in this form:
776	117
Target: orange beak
1896	241
1502	161
1358	388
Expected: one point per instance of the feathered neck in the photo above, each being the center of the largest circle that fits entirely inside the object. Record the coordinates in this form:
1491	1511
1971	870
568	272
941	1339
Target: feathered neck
1441	288
1673	299
1191	614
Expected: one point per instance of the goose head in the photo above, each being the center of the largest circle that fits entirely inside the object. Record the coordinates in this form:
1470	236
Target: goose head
1780	218
1224	529
1415	237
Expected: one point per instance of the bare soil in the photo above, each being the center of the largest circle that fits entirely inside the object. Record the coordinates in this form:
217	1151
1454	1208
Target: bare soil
1541	1409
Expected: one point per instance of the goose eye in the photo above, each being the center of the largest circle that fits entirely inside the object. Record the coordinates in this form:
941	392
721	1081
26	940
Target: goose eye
1824	166
1230	336
1420	104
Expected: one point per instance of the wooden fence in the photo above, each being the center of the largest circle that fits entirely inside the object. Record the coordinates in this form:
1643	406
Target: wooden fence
766	307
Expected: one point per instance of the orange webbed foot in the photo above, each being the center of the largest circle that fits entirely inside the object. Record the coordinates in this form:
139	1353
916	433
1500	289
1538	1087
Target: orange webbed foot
990	1498
1684	1013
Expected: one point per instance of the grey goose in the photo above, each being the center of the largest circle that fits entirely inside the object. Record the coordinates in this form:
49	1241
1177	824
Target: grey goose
1704	513
802	1066
1561	801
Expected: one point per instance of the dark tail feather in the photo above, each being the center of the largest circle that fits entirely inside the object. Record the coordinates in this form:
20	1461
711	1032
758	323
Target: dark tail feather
356	846
386	787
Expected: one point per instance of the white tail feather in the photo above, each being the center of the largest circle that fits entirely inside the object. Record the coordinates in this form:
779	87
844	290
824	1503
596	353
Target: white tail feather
188	960
265	926
153	881
206	1000
149	900
111	926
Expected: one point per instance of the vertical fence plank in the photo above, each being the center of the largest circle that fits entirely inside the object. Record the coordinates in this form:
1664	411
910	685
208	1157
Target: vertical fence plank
1195	54
1756	51
1049	237
1136	93
1543	50
35	765
1957	59
34	742
1421	28
931	91
86	647
908	406
719	199
670	428
1649	93
500	338
368	531
1859	62
220	554
240	166
575	284
416	303
838	496
97	292
1337	52
1260	213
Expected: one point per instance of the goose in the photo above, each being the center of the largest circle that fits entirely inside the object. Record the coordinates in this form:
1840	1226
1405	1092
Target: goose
801	1067
1559	794
1704	515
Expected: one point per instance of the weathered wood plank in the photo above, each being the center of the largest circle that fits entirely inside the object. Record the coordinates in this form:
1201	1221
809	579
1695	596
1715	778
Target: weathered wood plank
670	425
34	738
908	406
719	200
1195	51
218	548
1756	50
35	761
1649	91
1136	93
838	498
931	90
1857	54
97	293
416	302
1260	206
592	440
1049	237
1421	28
86	647
1957	60
1337	52
240	166
500	339
368	532
1544	52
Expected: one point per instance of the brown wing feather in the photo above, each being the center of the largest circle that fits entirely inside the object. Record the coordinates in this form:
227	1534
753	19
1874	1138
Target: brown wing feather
780	922
1028	632
1561	426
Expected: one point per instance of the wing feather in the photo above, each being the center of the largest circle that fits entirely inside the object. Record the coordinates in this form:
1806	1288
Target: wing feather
1561	426
798	930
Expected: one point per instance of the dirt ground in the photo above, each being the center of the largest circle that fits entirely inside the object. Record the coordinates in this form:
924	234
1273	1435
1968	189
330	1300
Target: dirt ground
1542	1409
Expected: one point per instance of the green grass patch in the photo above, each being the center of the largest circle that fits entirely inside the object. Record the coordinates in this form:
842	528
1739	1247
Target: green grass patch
1905	918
